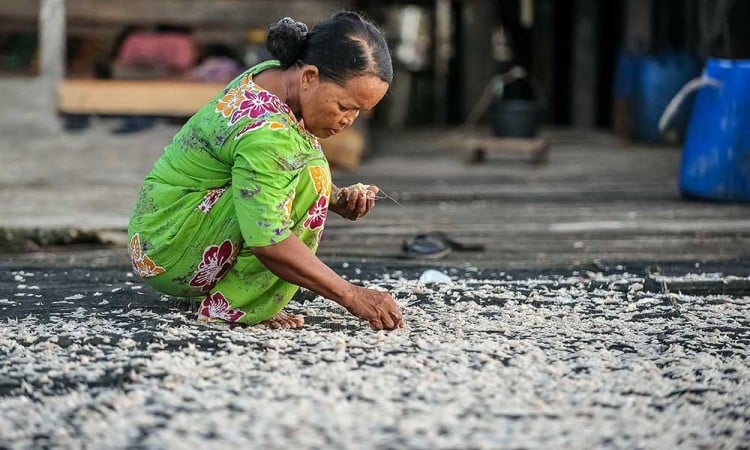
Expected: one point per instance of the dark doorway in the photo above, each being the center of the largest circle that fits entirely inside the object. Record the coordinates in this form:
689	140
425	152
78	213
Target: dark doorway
610	37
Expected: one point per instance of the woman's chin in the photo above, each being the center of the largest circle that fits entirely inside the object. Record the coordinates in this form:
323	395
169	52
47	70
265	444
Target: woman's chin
325	133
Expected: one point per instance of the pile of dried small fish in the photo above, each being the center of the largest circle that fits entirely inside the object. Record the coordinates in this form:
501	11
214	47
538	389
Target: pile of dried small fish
486	361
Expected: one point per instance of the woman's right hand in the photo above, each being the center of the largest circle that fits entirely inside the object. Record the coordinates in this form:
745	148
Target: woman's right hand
376	307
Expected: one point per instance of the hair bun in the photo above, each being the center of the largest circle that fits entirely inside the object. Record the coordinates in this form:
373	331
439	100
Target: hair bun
285	40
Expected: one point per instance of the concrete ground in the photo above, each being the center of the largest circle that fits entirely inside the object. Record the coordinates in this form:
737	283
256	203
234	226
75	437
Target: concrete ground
604	311
596	199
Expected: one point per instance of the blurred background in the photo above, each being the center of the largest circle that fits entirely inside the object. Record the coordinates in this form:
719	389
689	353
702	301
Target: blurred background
601	262
92	90
587	63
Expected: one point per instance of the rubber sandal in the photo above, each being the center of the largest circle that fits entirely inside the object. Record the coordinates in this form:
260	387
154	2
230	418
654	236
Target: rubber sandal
455	245
424	246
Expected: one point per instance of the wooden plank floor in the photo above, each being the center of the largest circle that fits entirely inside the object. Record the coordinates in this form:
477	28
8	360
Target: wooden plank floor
596	199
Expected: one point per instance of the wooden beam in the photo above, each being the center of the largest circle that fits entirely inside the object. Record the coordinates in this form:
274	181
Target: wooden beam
19	9
116	97
219	13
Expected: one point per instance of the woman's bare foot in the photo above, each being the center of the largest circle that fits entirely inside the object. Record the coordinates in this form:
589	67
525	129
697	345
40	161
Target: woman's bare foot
284	320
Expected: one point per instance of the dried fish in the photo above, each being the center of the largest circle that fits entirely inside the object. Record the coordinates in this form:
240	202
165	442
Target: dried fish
487	361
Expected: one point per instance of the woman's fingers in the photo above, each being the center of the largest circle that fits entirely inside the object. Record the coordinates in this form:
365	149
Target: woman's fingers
398	321
372	192
389	316
387	322
356	204
367	200
362	204
353	199
342	195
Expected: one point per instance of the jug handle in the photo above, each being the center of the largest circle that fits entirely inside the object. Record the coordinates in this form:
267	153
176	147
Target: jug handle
674	104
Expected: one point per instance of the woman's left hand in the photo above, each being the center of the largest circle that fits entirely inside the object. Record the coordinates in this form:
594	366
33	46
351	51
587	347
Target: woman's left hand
353	202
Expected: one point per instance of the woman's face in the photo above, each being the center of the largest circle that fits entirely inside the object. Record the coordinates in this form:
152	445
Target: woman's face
328	108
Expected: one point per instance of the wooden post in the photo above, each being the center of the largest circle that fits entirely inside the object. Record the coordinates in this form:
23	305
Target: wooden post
544	61
477	67
52	36
443	54
638	19
585	63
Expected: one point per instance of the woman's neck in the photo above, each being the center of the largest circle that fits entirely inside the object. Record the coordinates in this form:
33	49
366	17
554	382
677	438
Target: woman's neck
283	84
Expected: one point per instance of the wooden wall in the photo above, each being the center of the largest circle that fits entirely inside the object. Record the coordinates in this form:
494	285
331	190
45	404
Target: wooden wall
213	20
209	13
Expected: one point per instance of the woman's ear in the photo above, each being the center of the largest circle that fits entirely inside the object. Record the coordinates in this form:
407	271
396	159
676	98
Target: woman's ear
310	76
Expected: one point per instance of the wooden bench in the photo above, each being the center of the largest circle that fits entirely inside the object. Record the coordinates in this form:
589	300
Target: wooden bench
181	99
477	145
533	148
127	97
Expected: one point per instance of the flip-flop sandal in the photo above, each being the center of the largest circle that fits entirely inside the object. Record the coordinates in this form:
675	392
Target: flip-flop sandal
424	246
455	245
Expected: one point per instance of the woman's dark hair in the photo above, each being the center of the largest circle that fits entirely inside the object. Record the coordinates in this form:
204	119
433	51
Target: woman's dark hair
342	46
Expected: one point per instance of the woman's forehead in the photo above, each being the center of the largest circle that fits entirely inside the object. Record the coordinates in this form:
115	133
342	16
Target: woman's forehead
365	91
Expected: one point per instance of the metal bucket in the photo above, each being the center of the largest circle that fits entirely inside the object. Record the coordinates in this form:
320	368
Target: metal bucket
515	118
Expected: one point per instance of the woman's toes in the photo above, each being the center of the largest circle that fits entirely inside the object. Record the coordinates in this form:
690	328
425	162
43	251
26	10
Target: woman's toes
298	321
288	321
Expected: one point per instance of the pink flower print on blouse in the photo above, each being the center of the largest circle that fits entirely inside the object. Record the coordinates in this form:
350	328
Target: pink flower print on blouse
257	103
281	106
216	306
217	259
210	199
253	126
316	215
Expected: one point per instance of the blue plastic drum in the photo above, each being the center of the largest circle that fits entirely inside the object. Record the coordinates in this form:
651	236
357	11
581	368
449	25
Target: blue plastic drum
716	152
657	79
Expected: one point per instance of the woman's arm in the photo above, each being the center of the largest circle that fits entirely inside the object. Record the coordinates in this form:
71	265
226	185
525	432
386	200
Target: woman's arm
292	261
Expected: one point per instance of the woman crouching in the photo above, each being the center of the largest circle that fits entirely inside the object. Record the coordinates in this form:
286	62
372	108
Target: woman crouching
233	210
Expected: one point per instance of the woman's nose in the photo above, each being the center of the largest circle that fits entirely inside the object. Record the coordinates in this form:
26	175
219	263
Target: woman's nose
350	117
